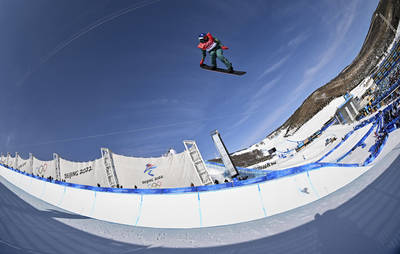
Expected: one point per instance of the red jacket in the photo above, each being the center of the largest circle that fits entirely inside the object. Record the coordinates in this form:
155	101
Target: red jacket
209	45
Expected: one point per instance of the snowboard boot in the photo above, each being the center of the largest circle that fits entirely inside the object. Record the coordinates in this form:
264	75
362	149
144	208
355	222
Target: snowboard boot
230	69
213	67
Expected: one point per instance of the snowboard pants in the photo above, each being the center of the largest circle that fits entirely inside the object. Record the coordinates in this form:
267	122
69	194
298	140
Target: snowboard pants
219	53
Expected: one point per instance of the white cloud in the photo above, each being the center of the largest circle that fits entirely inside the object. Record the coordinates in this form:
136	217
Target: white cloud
274	67
340	33
296	41
268	122
256	101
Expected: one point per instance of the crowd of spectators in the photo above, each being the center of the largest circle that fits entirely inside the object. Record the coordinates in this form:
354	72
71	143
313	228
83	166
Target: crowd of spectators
391	78
388	85
390	121
393	114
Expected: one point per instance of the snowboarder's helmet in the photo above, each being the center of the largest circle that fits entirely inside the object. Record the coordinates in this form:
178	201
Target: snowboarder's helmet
202	36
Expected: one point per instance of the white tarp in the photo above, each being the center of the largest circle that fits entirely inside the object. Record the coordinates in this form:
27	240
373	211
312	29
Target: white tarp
10	161
23	164
172	171
44	168
86	173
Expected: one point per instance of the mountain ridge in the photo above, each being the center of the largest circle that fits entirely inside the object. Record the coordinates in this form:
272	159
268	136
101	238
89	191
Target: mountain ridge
377	41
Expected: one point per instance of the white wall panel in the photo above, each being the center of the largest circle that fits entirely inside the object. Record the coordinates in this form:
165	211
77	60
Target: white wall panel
192	209
286	193
170	211
37	188
329	179
232	205
54	193
79	201
25	182
116	207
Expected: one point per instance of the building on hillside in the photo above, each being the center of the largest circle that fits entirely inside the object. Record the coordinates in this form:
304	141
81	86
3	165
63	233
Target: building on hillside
347	112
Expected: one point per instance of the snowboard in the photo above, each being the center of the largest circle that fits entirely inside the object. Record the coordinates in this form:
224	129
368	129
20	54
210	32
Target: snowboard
235	72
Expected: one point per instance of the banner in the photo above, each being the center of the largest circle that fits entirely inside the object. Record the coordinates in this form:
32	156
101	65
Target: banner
23	164
172	171
85	173
44	168
10	161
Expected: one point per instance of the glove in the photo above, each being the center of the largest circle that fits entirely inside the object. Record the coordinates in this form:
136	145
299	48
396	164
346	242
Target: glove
224	48
202	62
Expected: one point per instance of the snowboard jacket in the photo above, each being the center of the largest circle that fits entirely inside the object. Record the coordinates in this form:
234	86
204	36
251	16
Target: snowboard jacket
211	44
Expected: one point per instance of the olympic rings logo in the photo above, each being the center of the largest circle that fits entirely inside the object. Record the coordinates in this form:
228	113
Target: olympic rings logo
154	185
42	168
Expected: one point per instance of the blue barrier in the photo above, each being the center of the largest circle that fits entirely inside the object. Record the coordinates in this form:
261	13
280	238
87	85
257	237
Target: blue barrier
362	124
391	125
376	149
241	169
331	151
359	143
249	172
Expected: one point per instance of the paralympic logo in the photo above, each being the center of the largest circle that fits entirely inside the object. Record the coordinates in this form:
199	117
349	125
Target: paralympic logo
149	169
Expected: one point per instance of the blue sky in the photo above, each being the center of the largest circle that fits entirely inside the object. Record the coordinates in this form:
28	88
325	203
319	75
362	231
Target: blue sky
80	75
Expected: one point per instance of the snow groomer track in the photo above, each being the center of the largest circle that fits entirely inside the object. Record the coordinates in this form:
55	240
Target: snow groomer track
322	207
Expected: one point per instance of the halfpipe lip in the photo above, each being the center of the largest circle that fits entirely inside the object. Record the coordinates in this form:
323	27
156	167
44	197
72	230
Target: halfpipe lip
269	177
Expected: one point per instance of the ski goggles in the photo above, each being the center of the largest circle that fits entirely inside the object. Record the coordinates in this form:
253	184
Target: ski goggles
204	39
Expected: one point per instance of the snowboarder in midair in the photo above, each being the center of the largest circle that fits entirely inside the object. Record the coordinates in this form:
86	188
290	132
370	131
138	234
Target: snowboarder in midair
214	47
